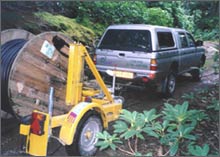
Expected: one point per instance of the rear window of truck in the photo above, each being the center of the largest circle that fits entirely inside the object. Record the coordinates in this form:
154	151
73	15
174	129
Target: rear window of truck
127	40
165	40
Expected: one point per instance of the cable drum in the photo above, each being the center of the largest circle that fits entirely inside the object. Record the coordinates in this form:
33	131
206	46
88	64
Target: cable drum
9	51
28	72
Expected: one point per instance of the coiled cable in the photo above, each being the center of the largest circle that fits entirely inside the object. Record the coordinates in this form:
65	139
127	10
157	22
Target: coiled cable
9	51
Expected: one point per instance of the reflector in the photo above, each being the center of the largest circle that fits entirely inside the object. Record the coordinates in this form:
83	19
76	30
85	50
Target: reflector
37	123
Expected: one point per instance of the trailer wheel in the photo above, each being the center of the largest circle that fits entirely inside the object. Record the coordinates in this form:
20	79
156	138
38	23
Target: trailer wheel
85	137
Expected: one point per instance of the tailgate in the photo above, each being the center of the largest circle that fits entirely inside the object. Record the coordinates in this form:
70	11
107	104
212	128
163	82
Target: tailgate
123	60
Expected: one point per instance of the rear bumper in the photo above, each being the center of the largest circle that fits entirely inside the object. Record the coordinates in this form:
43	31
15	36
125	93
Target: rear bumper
152	78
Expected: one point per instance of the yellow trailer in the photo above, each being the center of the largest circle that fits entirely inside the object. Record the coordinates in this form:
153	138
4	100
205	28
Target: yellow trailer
91	110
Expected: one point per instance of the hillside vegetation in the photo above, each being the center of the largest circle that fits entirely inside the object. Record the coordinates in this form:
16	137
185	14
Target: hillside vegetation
85	21
67	26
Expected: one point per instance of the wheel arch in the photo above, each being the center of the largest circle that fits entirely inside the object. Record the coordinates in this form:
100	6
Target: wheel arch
174	66
69	127
203	59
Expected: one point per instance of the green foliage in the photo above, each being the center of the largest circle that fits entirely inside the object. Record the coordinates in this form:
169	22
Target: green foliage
157	16
107	140
189	96
200	18
214	105
122	12
199	151
178	113
216	62
131	125
175	129
178	124
68	26
135	124
113	12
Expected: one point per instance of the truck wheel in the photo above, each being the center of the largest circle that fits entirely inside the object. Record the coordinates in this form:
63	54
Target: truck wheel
196	74
169	85
85	137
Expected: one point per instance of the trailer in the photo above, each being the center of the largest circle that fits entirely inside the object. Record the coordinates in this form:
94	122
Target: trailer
91	109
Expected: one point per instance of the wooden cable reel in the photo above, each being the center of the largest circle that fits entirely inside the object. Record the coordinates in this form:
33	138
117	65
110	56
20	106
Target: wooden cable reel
37	66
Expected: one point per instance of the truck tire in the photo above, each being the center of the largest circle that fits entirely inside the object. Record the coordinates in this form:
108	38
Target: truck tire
85	136
169	85
196	75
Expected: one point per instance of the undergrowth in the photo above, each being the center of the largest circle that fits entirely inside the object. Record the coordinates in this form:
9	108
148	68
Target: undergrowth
67	26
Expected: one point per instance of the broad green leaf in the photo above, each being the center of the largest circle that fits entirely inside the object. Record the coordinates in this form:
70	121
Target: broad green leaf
113	146
140	136
199	151
126	115
174	148
100	143
100	135
120	127
106	145
205	149
129	134
187	130
190	137
150	132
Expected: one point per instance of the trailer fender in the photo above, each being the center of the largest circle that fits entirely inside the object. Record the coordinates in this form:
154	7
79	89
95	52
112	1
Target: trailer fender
73	118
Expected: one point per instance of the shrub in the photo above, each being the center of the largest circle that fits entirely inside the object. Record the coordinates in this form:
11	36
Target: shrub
174	130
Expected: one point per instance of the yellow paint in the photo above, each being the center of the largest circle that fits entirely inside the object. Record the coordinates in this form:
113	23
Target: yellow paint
24	129
90	92
37	145
75	95
68	128
74	82
57	121
112	111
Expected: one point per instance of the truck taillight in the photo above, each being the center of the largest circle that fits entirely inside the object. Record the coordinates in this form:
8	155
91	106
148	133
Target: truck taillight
153	64
94	58
37	123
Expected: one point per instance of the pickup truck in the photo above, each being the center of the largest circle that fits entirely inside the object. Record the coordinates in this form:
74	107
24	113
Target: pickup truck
148	54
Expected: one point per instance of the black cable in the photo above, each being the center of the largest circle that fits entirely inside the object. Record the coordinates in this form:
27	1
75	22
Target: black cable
9	51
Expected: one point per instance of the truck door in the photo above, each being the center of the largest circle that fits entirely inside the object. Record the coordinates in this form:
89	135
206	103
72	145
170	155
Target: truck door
194	57
186	53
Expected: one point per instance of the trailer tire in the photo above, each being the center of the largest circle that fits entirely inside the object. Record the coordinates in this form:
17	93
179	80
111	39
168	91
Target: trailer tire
85	136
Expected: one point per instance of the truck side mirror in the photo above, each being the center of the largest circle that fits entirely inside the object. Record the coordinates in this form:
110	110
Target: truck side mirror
199	43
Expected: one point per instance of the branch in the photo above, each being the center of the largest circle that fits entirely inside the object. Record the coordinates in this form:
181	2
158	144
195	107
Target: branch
125	151
166	153
160	152
136	141
129	145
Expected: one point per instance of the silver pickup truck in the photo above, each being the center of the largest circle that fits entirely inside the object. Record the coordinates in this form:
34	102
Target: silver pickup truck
147	54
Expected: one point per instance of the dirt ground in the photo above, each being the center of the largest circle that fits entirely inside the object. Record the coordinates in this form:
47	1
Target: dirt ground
135	99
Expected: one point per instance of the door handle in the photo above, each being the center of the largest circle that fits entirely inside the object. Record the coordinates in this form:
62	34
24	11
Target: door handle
121	54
